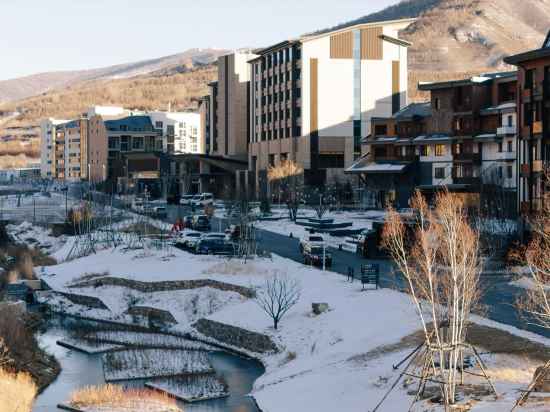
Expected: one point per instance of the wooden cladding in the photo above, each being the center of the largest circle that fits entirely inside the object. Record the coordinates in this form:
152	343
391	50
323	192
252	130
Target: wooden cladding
341	44
371	43
313	95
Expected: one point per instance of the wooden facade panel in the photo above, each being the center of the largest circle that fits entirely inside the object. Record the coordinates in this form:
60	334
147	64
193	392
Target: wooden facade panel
371	44
314	95
341	45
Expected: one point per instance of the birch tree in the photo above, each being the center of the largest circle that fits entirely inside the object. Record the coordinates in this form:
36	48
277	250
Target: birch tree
439	258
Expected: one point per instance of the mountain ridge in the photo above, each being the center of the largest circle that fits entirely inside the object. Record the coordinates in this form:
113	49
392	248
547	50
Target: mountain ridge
27	86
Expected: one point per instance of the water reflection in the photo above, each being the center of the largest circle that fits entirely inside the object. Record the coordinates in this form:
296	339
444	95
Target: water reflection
79	369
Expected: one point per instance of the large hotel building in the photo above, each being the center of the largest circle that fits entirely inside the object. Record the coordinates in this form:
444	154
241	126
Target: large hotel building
312	98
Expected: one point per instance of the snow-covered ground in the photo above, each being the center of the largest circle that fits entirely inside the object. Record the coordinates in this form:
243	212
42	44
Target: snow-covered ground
150	363
36	237
329	362
191	388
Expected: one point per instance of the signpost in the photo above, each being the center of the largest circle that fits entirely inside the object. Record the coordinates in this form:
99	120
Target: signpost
370	275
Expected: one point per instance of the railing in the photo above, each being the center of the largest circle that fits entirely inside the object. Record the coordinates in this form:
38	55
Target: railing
406	158
468	157
466	180
506	130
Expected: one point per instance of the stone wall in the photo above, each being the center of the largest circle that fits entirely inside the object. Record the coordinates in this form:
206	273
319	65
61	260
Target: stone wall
235	336
169	285
90	301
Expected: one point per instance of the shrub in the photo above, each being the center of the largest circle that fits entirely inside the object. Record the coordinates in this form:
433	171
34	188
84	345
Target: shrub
115	396
17	392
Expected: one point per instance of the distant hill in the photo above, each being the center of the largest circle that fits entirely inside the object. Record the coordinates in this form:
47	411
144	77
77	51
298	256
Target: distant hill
460	38
20	88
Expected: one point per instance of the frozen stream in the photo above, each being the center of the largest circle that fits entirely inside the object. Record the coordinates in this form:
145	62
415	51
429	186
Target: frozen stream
79	370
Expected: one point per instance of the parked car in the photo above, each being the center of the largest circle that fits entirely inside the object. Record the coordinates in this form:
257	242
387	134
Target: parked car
214	247
201	223
213	235
311	240
185	200
202	200
314	254
159	212
188	222
188	239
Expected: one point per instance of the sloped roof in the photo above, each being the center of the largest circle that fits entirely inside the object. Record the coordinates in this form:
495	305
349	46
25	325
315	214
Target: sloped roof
414	110
131	123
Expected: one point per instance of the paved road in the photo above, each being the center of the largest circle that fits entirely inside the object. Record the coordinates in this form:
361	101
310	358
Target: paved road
497	300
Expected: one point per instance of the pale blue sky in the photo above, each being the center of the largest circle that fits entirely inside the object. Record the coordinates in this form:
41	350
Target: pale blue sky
46	35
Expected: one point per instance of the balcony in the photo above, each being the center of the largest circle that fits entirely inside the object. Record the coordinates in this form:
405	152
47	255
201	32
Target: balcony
466	180
537	127
467	157
506	131
399	158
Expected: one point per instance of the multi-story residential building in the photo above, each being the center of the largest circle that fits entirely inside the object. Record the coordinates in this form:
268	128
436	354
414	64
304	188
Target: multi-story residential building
48	136
464	139
533	97
225	129
76	149
181	131
130	134
312	98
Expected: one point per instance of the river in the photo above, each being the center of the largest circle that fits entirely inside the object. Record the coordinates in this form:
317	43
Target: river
79	370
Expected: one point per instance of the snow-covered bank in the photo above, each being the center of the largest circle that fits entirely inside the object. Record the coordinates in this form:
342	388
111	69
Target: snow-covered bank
326	362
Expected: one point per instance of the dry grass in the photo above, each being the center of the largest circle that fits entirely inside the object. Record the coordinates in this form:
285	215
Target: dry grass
17	392
115	396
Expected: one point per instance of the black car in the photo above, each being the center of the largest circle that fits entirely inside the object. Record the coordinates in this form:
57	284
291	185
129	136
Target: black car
201	223
313	255
215	247
188	222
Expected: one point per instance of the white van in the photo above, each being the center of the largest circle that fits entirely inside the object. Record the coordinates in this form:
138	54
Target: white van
202	200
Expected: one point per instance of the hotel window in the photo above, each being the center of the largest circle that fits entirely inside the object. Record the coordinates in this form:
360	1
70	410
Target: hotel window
509	171
510	120
440	150
439	173
529	79
500	147
425	150
158	125
500	172
437	103
510	146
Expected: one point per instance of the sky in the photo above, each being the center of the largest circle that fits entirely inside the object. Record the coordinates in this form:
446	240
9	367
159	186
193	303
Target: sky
49	35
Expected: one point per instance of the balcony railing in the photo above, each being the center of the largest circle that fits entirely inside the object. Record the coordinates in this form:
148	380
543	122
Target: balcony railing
466	180
467	157
400	158
506	130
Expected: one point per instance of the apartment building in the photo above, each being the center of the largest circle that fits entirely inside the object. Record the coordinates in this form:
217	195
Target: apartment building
48	135
181	131
464	139
74	150
130	134
225	130
533	97
312	98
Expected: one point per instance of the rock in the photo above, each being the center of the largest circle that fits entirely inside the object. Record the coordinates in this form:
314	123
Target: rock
319	308
543	385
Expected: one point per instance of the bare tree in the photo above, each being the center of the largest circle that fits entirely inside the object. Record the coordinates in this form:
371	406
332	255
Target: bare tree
322	200
288	177
535	304
279	294
440	261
